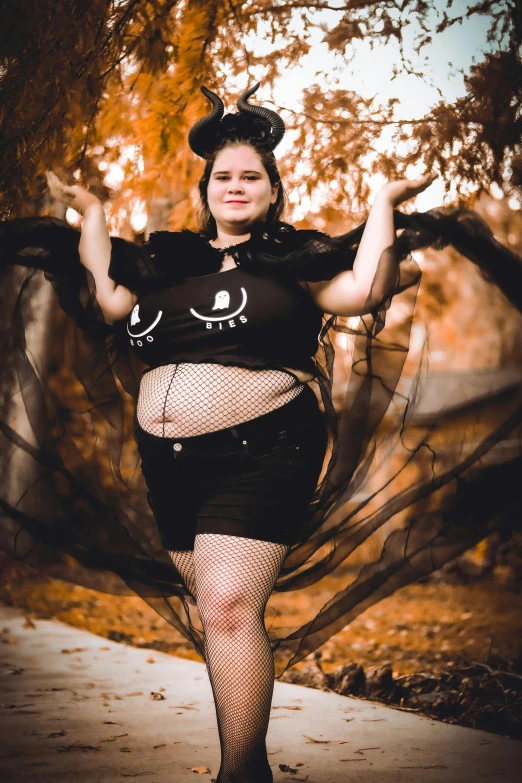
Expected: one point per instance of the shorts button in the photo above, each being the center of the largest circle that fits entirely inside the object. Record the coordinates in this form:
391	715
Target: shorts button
244	443
177	447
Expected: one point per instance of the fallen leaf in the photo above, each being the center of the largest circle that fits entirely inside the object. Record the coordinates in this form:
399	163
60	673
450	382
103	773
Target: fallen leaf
326	742
73	650
29	624
163	745
17	706
422	766
285	707
201	770
61	733
111	739
184	707
150	659
155	696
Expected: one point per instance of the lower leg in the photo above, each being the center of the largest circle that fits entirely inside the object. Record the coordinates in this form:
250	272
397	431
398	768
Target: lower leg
235	577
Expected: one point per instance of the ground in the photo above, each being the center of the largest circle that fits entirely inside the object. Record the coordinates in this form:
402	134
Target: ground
450	649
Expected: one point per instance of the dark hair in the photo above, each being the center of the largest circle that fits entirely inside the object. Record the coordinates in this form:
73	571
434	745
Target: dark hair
207	223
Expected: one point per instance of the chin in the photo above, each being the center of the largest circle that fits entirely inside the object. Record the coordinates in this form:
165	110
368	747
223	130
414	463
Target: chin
236	219
244	222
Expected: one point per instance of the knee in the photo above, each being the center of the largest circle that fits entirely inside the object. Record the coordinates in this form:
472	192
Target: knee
226	611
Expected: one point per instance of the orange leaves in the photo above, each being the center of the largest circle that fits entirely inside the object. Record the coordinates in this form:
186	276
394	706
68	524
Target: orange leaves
110	77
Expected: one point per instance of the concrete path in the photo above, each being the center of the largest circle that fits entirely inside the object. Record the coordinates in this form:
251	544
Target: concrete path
76	708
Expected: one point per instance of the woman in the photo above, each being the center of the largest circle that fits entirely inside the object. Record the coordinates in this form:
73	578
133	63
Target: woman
231	437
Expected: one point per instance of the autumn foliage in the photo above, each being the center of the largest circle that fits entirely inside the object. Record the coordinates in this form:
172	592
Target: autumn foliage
84	85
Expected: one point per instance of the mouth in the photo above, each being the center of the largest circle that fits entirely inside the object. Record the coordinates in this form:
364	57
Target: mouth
235	201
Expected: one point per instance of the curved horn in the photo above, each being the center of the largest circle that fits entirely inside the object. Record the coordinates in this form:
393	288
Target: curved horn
278	126
206	127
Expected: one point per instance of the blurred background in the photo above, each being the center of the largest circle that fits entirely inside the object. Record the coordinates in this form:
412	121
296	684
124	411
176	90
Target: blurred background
370	90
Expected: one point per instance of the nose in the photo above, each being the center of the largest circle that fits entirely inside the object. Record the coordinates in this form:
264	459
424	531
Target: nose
235	186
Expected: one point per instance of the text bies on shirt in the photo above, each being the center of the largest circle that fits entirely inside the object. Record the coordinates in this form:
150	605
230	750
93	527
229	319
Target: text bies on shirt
231	323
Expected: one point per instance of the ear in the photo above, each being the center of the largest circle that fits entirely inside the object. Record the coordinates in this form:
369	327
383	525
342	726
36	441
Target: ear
275	189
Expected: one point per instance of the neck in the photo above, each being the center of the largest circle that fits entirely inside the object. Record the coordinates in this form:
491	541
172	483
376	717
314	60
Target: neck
226	239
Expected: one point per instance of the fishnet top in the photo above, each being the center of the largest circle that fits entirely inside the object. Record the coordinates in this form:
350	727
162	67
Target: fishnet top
186	399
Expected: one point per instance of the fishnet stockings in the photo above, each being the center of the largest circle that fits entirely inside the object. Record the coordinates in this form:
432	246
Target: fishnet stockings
183	559
232	578
182	400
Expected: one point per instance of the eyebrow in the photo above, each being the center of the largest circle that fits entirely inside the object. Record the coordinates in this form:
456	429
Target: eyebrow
247	171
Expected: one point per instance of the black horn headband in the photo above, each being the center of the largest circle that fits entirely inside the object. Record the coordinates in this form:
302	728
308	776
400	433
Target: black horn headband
252	123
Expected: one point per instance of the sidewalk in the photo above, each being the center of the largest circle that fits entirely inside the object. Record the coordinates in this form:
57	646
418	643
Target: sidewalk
77	708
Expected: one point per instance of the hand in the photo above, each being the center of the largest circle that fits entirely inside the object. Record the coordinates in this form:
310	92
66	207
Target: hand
71	195
404	189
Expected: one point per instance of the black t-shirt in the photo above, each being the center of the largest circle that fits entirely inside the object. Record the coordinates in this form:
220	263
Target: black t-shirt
230	317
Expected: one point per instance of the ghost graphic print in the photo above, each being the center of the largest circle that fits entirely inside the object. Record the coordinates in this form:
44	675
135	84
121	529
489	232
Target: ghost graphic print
222	302
135	319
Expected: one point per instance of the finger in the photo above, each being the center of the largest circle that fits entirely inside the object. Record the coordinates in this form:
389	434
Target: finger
424	181
53	188
54	183
430	177
56	180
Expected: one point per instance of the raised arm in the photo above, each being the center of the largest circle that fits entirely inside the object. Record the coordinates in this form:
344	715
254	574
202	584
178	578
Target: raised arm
116	301
348	293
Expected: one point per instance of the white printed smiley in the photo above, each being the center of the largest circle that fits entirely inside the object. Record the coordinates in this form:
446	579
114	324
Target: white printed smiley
135	318
221	302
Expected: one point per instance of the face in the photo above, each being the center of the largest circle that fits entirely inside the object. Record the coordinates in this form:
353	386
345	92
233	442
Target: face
239	191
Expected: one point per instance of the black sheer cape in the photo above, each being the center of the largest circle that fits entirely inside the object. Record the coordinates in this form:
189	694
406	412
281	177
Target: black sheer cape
398	497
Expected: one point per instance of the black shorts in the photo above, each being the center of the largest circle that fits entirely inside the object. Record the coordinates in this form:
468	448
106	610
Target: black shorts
256	479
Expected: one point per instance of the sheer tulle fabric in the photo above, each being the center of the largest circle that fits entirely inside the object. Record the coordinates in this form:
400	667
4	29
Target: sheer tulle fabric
73	501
